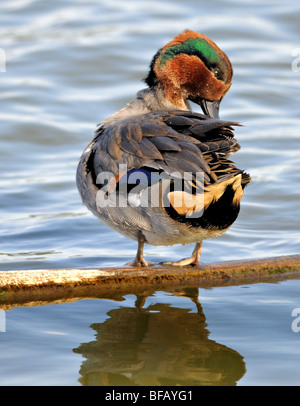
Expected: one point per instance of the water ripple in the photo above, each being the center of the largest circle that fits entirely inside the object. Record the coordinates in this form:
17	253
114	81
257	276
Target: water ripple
71	64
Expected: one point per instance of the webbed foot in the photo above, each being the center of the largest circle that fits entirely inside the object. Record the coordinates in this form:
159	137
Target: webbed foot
194	260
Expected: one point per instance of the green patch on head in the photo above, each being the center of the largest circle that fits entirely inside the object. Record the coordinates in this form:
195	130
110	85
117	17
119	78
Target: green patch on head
192	46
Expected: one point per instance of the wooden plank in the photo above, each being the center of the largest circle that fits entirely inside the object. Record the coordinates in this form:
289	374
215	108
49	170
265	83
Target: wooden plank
54	284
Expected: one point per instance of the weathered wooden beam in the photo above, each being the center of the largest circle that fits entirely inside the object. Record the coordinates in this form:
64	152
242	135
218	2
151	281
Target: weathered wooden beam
22	286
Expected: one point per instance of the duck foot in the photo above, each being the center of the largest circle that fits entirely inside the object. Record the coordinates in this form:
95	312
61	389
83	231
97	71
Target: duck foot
139	260
194	260
183	262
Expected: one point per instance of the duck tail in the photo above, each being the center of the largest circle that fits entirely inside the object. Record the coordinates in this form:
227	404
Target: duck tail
236	184
246	178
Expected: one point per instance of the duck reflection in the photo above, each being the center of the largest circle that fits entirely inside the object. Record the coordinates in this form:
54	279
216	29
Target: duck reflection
158	345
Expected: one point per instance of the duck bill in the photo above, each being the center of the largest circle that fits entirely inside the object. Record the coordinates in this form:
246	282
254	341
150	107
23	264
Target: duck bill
210	108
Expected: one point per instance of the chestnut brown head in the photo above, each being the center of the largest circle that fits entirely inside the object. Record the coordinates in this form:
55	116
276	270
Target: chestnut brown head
192	67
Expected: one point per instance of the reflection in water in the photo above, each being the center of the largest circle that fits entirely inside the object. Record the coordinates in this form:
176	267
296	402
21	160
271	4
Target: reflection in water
157	345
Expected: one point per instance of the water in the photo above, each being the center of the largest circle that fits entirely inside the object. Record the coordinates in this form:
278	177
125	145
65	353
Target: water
70	64
225	335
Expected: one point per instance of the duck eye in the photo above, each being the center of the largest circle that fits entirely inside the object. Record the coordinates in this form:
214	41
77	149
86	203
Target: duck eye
217	73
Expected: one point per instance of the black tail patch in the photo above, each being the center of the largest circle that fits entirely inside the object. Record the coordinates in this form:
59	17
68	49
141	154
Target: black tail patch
218	215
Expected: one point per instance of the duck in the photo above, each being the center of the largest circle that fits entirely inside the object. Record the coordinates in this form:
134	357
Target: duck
158	172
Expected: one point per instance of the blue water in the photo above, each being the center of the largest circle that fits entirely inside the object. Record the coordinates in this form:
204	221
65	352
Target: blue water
226	335
65	66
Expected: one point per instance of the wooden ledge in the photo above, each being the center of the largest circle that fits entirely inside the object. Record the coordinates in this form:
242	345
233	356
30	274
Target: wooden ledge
21	286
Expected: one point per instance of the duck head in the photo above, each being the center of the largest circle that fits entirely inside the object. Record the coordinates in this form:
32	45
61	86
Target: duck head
191	67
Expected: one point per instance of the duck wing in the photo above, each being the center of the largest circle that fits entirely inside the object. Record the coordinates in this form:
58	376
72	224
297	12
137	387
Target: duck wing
177	141
164	142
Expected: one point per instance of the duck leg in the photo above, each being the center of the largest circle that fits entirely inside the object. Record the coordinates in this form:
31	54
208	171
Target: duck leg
194	260
139	259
